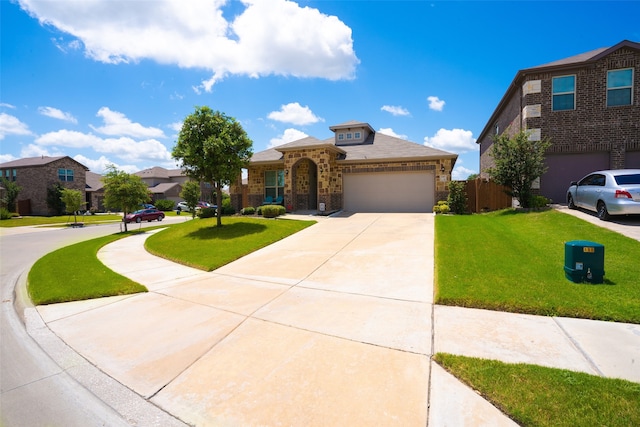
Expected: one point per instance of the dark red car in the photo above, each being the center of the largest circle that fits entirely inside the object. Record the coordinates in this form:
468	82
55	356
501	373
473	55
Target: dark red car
144	215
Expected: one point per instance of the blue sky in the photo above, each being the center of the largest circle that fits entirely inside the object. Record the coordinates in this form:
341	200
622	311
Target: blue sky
109	82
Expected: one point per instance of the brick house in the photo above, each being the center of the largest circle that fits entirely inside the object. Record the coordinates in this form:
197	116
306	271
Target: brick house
163	183
588	105
356	170
36	174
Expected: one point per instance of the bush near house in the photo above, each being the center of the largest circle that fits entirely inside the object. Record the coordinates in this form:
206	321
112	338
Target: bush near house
207	213
164	205
441	208
272	211
250	210
457	199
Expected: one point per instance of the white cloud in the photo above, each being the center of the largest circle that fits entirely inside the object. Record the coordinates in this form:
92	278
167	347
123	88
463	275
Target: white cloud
7	158
117	124
149	150
33	150
395	110
5	105
435	103
11	125
289	135
296	114
454	140
460	173
57	114
99	165
390	132
276	37
176	126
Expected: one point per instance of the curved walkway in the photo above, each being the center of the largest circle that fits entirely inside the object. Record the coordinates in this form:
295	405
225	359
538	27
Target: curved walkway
334	325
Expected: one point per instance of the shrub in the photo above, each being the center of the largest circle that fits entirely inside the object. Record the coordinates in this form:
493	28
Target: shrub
164	204
539	202
5	214
272	211
207	213
227	209
442	207
250	210
457	199
259	210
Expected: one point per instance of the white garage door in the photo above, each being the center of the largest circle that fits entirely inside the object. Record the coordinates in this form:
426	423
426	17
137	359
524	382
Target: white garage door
389	192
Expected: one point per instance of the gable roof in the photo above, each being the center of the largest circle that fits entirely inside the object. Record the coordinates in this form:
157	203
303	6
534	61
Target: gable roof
581	59
36	161
159	172
377	146
94	181
163	187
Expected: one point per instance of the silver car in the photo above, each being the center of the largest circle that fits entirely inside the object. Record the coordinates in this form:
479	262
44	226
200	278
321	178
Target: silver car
608	192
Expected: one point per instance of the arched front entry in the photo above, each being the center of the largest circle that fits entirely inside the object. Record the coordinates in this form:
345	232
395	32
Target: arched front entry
305	185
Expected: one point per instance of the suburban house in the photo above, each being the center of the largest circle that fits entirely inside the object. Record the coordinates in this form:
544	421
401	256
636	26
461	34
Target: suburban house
356	170
35	175
95	191
587	105
163	183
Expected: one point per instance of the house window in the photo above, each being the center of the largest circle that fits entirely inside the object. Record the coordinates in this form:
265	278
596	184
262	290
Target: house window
620	87
65	175
564	93
356	135
13	174
274	184
349	136
340	136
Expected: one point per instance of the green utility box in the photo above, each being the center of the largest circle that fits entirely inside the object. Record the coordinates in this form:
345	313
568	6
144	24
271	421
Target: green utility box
584	261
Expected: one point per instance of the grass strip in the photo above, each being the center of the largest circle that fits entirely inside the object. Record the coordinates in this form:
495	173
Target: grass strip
74	273
61	220
513	261
538	396
201	244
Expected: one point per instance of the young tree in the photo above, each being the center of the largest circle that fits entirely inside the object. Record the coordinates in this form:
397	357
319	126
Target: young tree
124	191
12	190
212	147
73	201
518	163
191	194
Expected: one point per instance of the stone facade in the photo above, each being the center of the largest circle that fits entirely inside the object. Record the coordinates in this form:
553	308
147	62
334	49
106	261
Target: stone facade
34	181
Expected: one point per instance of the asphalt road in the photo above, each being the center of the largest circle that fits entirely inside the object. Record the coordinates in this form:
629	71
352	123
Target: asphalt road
35	391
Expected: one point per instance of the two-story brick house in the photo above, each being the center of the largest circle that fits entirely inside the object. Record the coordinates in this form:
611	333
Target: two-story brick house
587	105
163	183
34	175
356	170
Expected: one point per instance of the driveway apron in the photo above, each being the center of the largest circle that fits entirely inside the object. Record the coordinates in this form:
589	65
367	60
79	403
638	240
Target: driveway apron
330	326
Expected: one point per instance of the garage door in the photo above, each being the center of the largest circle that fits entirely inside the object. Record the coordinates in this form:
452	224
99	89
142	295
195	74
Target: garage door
564	168
389	192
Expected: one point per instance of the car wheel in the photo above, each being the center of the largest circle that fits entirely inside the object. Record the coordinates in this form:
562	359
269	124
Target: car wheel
603	213
138	220
570	202
160	218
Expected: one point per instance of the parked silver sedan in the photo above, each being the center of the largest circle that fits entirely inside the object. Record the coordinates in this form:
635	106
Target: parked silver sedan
608	192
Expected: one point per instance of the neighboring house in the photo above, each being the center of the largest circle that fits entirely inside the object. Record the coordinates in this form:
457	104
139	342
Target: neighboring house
356	170
95	191
587	105
35	175
163	183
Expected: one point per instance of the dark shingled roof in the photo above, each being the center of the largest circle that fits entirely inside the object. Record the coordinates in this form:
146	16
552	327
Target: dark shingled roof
159	172
35	161
377	146
94	181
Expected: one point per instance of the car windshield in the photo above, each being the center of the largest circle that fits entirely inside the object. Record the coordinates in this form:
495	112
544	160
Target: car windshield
628	179
140	211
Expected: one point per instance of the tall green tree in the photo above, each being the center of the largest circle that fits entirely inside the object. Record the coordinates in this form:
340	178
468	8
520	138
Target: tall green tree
518	163
124	191
11	194
54	199
212	147
191	194
73	200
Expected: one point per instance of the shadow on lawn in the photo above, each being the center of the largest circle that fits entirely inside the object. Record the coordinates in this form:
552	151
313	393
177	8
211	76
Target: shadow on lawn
228	231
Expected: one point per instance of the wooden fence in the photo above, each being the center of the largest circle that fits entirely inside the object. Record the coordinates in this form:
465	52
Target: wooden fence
484	196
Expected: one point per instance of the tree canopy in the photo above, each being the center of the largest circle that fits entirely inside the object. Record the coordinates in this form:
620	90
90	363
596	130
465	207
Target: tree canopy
191	194
212	147
518	163
73	201
124	191
11	193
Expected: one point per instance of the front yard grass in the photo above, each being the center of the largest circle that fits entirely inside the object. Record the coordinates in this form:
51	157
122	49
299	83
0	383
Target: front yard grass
74	273
513	261
201	244
59	220
538	396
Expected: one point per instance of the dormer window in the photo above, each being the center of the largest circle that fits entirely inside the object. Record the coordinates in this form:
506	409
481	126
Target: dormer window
357	135
340	136
349	135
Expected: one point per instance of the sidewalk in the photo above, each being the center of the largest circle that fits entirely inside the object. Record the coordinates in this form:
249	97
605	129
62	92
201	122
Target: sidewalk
334	325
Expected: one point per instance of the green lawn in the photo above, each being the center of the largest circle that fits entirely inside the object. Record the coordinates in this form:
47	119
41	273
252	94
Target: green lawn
59	220
537	396
512	261
74	273
201	244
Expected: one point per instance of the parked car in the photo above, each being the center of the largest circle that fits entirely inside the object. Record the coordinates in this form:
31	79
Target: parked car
607	192
147	206
144	215
182	206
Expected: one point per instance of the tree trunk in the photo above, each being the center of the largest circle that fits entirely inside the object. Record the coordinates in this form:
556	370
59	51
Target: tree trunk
218	204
